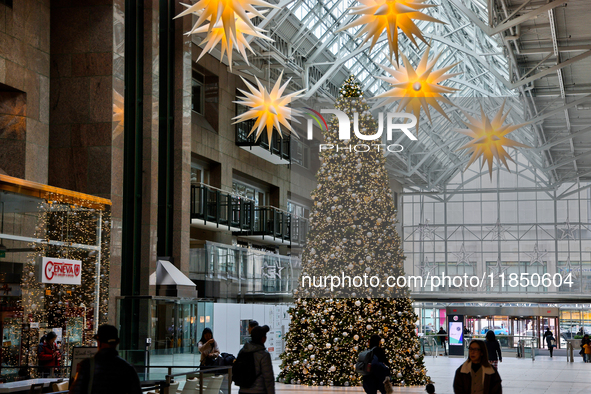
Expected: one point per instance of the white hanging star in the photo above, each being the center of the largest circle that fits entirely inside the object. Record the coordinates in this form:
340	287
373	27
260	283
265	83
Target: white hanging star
536	256
426	267
568	230
425	231
272	271
498	269
463	257
570	269
498	231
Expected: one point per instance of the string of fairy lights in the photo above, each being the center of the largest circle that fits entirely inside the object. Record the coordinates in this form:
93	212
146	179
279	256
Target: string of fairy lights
352	230
68	231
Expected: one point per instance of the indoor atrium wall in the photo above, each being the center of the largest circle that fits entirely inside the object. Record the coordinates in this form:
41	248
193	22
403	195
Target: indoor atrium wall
515	218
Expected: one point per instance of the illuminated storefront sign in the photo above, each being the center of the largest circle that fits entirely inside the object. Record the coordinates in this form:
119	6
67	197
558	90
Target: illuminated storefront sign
61	271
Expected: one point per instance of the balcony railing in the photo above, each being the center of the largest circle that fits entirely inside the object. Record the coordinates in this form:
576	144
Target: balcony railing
243	271
278	224
223	208
279	146
240	215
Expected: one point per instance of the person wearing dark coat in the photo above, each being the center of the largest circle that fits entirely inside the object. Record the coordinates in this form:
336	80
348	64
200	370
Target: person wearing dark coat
380	368
265	381
442	338
476	375
106	372
493	348
585	341
549	337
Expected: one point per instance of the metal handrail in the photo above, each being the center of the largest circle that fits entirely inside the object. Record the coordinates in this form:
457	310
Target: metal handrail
170	376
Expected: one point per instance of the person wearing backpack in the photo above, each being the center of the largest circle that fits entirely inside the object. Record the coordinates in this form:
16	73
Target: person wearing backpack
253	370
379	369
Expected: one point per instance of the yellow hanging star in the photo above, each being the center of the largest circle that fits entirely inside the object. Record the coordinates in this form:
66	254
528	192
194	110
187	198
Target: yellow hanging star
269	108
223	14
489	138
418	88
390	15
217	34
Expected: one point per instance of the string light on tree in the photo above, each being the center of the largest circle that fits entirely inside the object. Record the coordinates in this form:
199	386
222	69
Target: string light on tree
328	329
56	305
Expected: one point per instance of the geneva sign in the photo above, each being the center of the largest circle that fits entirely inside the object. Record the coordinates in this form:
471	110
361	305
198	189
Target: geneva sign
62	271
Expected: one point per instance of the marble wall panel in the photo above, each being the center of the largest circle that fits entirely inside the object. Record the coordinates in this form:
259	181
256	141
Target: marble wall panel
81	94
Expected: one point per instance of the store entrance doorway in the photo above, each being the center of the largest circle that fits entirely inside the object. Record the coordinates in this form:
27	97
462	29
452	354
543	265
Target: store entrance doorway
511	324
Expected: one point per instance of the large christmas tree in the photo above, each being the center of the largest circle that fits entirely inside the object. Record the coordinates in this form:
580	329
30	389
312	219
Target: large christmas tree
352	234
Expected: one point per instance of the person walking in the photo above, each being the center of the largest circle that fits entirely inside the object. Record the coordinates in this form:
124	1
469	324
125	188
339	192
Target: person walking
379	370
476	375
585	341
587	351
264	382
442	338
47	354
106	372
550	340
208	348
493	348
252	324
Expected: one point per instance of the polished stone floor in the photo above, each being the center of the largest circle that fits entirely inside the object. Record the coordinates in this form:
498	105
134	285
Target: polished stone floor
545	375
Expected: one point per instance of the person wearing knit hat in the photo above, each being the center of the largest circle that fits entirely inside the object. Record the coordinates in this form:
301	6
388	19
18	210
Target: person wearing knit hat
265	380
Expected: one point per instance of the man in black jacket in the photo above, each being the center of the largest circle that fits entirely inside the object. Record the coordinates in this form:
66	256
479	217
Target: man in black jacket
264	381
106	372
442	338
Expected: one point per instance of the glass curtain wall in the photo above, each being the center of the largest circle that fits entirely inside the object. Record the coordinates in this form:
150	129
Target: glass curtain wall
512	225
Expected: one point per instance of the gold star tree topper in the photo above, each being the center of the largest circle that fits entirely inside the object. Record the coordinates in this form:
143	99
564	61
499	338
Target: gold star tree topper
226	15
268	108
418	88
217	35
489	138
390	15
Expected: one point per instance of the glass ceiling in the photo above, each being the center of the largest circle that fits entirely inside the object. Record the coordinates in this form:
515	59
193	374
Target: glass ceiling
480	59
309	48
476	51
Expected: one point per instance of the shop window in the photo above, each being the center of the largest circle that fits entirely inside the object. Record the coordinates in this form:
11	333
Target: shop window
198	92
205	98
300	153
297	209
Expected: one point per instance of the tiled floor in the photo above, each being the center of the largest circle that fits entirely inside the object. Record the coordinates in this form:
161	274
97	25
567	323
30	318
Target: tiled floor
520	376
545	375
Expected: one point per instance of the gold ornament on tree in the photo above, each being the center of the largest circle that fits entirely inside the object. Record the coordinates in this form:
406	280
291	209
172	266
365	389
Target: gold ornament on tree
418	88
228	22
378	16
268	108
489	138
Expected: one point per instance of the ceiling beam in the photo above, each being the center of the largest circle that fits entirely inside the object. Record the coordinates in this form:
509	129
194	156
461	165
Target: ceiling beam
564	49
506	25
